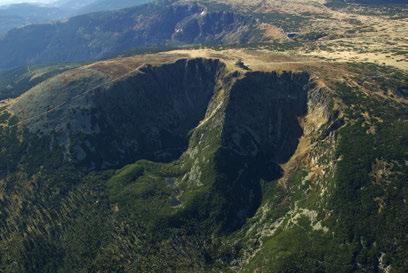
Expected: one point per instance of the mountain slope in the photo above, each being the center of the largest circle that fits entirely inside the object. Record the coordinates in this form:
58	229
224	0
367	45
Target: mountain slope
377	2
89	6
98	35
103	5
72	4
19	15
164	162
15	82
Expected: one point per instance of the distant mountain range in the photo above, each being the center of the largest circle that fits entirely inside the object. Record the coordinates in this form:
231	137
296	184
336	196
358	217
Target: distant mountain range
272	138
74	4
103	28
103	5
19	15
369	2
97	35
381	1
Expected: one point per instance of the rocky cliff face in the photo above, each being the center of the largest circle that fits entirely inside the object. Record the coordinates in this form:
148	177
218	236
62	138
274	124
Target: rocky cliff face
276	102
261	130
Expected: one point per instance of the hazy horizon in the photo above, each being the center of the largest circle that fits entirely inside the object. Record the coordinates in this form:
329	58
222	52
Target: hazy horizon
6	2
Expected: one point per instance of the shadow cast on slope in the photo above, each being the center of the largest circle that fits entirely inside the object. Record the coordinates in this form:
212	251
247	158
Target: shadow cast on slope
261	131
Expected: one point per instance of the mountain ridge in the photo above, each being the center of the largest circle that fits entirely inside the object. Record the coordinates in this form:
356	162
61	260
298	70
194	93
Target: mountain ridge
206	136
85	37
268	154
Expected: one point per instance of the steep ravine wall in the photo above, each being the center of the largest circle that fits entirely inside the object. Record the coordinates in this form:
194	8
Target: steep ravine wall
147	115
153	112
221	135
256	118
261	131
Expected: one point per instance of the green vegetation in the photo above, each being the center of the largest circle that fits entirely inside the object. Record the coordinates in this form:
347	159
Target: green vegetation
205	196
15	82
154	25
370	179
287	22
365	192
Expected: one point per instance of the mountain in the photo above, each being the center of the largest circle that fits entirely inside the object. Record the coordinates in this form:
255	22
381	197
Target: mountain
19	15
376	2
385	3
272	137
104	5
73	4
168	162
82	7
98	35
15	82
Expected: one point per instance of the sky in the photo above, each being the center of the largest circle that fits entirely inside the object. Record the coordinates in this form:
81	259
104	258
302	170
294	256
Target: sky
4	2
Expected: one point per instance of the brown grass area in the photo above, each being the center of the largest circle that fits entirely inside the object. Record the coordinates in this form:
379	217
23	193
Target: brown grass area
292	6
271	32
352	34
117	67
255	59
